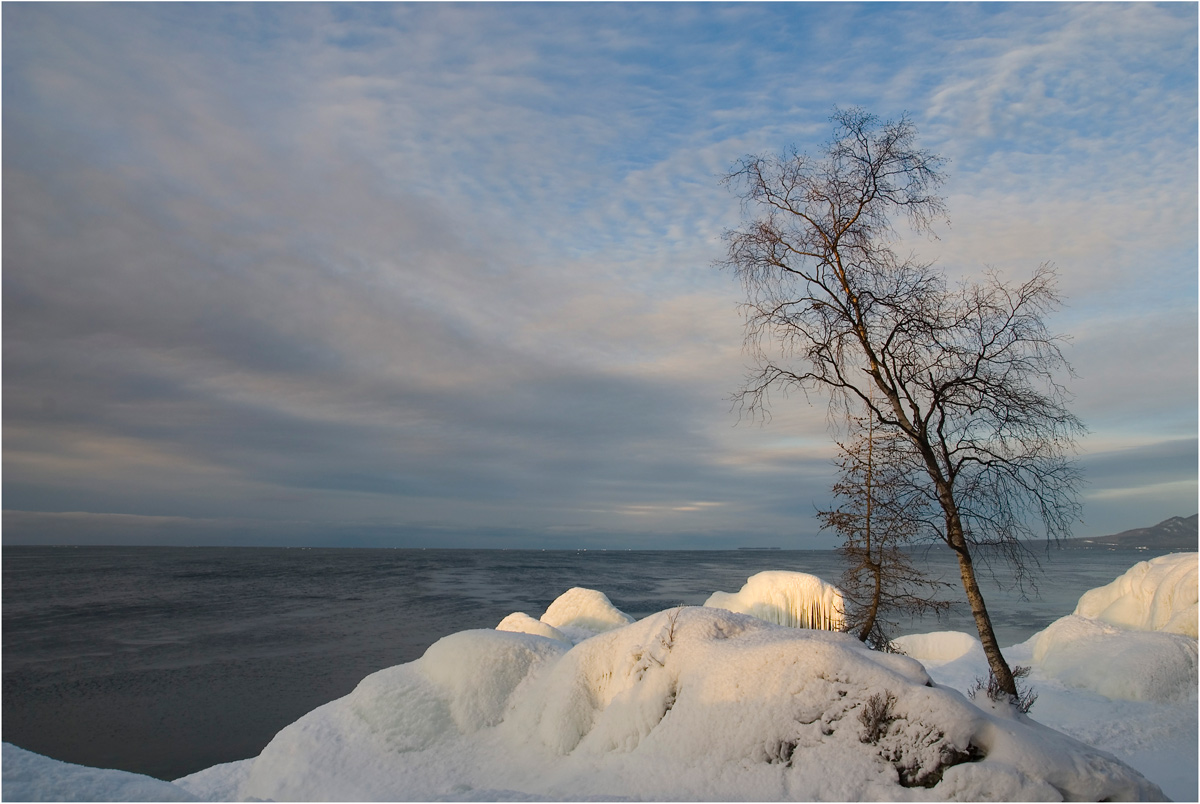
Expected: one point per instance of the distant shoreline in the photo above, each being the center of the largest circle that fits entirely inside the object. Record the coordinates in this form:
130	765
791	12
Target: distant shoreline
1175	534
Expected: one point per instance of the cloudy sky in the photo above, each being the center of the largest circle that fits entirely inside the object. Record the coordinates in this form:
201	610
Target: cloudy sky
442	275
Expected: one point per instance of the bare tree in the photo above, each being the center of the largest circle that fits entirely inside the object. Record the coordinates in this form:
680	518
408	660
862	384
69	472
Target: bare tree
882	508
967	374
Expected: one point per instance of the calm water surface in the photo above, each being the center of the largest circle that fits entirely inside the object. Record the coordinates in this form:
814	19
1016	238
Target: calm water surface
165	661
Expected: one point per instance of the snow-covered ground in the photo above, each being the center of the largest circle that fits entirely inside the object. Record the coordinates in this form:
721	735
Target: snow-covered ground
1118	673
703	703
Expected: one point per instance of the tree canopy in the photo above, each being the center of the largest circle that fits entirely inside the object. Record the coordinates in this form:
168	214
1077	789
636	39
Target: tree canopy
969	375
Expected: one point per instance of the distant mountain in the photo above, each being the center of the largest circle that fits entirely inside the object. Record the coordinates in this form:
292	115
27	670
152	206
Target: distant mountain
1176	533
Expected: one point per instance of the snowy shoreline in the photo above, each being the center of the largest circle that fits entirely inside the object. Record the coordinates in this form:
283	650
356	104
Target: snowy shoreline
705	703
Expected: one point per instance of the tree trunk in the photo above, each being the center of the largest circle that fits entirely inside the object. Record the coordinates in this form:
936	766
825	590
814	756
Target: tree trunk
877	593
983	621
876	569
957	540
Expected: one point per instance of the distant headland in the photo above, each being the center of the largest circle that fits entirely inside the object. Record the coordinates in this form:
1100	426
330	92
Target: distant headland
1178	532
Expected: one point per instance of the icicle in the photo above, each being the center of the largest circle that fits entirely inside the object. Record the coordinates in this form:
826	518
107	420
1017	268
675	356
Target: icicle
794	599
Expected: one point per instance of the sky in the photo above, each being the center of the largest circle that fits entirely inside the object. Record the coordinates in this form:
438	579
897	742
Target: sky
442	275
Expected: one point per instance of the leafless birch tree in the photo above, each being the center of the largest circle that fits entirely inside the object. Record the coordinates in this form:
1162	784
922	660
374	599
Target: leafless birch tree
969	374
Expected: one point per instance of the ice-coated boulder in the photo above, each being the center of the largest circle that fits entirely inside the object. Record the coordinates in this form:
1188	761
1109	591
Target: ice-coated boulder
1116	662
1156	595
794	599
1132	639
479	670
584	612
521	623
690	704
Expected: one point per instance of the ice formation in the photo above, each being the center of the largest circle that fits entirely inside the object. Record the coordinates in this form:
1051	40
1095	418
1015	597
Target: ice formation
704	704
1133	639
579	613
689	704
521	623
794	599
1155	595
1126	640
1115	662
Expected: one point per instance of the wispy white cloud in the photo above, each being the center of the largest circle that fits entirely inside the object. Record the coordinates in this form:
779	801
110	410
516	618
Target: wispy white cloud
449	266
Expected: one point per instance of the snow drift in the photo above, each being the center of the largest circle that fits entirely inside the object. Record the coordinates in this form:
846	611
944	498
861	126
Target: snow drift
939	646
688	704
794	599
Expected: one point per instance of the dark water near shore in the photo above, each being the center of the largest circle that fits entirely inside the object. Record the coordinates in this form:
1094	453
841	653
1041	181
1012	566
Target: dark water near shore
165	661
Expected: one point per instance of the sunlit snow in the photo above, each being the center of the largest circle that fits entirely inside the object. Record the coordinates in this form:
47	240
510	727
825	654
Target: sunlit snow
794	599
1155	595
580	613
703	703
521	623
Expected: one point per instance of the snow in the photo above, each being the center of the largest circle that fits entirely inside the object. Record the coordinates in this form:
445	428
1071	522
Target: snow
940	646
786	598
32	777
704	703
521	623
1133	639
1130	665
693	704
1120	673
1155	595
580	613
1159	739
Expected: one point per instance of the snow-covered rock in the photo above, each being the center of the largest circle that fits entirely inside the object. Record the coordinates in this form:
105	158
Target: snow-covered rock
33	777
794	599
708	704
1117	663
477	672
521	623
579	613
689	704
1125	691
1132	639
1156	595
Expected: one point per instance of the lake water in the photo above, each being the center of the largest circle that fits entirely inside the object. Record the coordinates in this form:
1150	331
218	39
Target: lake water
165	661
